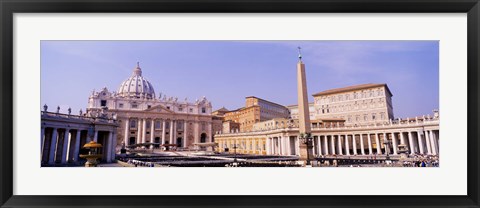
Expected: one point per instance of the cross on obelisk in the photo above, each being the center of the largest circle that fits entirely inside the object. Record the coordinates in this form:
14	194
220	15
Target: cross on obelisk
303	109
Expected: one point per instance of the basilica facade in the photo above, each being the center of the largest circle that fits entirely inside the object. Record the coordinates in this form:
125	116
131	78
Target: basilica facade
144	118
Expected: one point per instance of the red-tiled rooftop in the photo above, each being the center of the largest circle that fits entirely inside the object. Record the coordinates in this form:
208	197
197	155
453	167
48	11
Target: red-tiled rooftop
351	88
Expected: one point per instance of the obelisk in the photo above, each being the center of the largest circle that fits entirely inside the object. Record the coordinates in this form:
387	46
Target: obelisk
303	110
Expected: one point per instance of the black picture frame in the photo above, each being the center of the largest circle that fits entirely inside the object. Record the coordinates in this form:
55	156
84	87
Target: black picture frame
10	7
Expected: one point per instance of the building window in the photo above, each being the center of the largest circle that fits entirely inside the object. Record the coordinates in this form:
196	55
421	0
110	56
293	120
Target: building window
103	103
149	106
168	107
133	124
134	106
148	125
120	105
191	110
373	116
158	124
180	109
204	110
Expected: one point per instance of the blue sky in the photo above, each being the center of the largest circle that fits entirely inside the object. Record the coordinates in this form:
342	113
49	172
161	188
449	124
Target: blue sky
228	71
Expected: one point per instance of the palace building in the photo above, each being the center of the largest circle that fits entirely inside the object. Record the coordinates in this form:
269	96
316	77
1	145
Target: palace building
145	118
352	121
255	110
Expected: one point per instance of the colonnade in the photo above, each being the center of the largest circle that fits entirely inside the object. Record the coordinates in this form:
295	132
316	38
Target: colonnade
379	143
62	145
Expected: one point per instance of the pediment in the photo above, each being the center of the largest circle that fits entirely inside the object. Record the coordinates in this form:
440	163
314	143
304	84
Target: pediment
159	108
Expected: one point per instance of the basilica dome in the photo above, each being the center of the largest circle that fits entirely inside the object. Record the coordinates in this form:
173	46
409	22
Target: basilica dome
136	86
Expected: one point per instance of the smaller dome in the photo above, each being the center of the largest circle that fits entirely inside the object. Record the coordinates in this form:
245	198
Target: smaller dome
136	86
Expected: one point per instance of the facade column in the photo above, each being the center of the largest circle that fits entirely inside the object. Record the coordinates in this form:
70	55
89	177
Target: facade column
125	139
420	142
362	146
412	145
152	131
196	129
332	140
340	148
185	133
427	140
326	144
65	146
53	147
144	130
347	146
395	145
171	131
370	151
354	142
379	146
139	131
77	146
209	132
433	143
163	132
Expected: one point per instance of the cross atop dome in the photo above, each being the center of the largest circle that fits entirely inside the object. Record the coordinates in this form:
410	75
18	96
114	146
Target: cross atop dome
137	71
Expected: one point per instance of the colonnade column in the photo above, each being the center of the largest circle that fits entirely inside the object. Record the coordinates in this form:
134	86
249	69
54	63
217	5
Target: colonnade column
369	144
53	146
326	144
427	139
65	146
340	148
379	146
402	139
420	142
267	146
319	147
163	132
77	146
354	142
42	140
395	145
125	139
412	145
95	136
185	133
109	147
297	146
362	146
289	148
347	146
332	144
385	139
433	143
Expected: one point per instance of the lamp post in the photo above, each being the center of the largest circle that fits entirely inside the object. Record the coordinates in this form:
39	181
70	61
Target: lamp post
307	139
235	152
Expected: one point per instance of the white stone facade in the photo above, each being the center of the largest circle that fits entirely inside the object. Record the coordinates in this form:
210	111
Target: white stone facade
145	118
357	105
